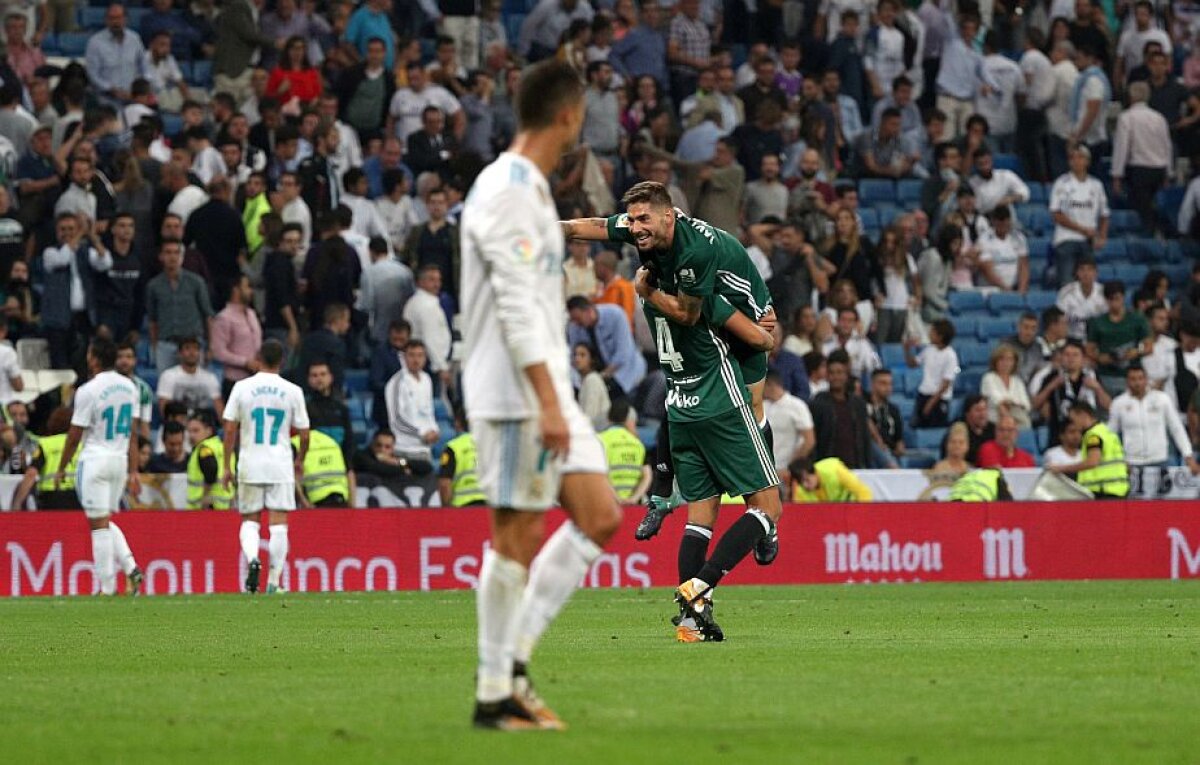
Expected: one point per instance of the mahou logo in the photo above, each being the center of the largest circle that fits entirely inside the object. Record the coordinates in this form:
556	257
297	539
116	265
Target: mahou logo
1004	554
1181	553
845	554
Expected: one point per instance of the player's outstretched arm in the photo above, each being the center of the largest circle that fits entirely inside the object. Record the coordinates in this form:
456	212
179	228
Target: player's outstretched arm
585	229
740	326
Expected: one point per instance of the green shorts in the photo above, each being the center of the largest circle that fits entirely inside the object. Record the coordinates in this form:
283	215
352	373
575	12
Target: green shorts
721	455
753	362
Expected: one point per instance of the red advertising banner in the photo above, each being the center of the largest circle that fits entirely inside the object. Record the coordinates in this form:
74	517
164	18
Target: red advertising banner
197	552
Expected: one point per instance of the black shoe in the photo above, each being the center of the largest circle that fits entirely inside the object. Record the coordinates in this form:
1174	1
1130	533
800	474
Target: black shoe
508	714
252	572
708	624
657	508
767	549
133	582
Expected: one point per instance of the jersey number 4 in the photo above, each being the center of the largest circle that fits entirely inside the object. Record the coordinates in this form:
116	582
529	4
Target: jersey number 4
666	345
117	422
261	434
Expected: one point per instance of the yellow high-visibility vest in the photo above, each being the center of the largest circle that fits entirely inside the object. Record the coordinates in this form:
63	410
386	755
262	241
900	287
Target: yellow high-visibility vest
1111	476
324	468
982	485
222	498
51	448
626	455
838	484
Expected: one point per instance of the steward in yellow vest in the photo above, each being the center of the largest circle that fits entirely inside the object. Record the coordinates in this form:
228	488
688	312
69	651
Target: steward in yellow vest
1103	470
458	479
46	459
626	461
206	472
325	480
826	481
982	485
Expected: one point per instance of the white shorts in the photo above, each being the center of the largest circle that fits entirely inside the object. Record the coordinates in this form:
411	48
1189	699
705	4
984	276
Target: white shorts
255	497
516	472
100	483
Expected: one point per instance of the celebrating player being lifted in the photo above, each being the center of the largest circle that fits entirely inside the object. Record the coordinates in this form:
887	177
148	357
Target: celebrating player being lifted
535	445
697	280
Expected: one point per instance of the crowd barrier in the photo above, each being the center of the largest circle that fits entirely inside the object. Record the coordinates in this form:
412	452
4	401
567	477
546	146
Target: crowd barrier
170	491
430	549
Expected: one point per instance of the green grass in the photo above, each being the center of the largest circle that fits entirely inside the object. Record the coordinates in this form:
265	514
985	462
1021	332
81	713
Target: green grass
1006	673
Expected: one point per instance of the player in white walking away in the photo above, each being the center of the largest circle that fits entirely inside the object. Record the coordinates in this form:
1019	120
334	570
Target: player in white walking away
535	445
264	411
105	418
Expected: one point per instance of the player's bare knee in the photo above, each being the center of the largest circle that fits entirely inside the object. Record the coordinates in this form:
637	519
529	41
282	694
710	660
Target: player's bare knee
704	512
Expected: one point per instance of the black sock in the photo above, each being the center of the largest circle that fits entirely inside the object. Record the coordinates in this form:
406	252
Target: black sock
768	436
693	550
663	483
736	544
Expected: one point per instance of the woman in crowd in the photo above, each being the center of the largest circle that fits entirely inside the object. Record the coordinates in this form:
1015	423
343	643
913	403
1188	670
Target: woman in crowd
294	81
1003	388
850	252
593	393
803	337
896	287
934	268
954	465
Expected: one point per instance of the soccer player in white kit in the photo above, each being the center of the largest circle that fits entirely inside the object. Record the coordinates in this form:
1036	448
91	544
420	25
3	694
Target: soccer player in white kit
264	411
535	446
106	416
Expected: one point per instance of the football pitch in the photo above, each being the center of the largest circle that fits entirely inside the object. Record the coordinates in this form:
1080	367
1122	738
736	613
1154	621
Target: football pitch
1005	672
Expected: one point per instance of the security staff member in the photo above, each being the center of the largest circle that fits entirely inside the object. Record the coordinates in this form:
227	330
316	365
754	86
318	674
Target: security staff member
826	481
1103	470
627	469
328	414
458	481
982	485
206	466
44	466
325	480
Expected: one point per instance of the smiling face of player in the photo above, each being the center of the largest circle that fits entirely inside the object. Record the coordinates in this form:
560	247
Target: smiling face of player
653	227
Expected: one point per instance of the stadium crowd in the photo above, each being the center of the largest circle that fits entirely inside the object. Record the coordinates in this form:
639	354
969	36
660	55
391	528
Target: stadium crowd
970	216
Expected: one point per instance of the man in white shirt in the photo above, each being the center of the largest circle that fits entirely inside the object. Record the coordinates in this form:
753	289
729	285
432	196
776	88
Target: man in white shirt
1132	43
996	99
995	188
1067	451
206	160
1004	254
10	369
883	57
396	208
366	220
1142	153
293	208
409	396
863	357
1058	113
1038	73
189	383
404	113
791	424
1081	299
1079	206
187	197
1089	101
264	410
1145	418
429	325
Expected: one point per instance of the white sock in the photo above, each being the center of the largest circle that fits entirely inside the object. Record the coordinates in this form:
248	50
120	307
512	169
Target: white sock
121	551
102	557
554	575
249	536
278	547
497	603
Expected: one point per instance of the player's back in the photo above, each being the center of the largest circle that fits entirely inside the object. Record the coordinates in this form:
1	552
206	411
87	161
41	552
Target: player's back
709	252
107	405
266	408
512	289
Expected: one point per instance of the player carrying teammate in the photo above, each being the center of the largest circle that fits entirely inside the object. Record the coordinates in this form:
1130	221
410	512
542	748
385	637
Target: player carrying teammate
263	411
105	419
535	446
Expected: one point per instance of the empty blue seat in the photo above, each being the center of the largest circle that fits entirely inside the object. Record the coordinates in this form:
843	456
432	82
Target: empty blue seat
912	380
906	406
1039	247
967	383
1167	202
1035	219
967	302
1028	441
965	326
1132	275
1043	437
512	25
1040	300
908	192
172	124
202	73
1114	249
1006	303
1147	250
134	16
1038	194
995	329
1124	222
72	44
971	352
887	213
92	17
930	438
873	190
892	355
870	220
1007	162
1178	273
357	380
918	460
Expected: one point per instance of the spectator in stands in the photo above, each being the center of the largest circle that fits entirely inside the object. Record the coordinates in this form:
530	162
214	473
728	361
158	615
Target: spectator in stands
174	455
11	381
237	336
996	99
23	58
318	173
1082	299
1146	419
1079	206
396	209
1067	450
68	304
327	345
714	189
688	47
1038	84
606	328
960	75
802	338
1132	41
895	288
370	22
238	44
939	370
1103	470
1003	387
380	465
409	397
1027	345
1058	114
431	148
887	424
333	264
1063	386
435	243
846	337
163	74
759	138
1002	451
996	188
407	108
840	417
592	391
281	312
1188	222
766	196
578	269
1116	338
1004	254
87	195
954	463
1171	98
979	428
763	89
364	90
386	360
115	56
385	287
789	367
216	230
1160	363
642	51
900	98
1089	99
185	197
885	152
543	28
791	424
1142	154
939	191
846	58
934	268
117	278
796	268
293	80
189	383
850	253
327	412
428	321
612	288
293	210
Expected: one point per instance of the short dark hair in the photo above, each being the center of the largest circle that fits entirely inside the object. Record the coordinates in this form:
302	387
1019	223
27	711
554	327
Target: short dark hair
1114	288
189	340
104	351
546	88
619	411
351	177
1051	315
890	113
1027	316
414	343
812	361
399	325
900	82
945	329
392	179
971	401
648	192
271	352
578	303
839	356
1001	213
173	428
1083	407
201	416
880	372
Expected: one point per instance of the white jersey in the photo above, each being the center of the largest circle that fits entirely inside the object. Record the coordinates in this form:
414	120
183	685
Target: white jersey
267	408
107	406
512	290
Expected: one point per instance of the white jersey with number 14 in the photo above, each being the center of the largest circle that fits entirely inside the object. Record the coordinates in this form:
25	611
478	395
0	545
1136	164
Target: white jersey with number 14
107	406
266	408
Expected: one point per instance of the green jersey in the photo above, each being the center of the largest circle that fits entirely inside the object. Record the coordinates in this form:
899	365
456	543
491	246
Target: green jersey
703	260
703	379
145	399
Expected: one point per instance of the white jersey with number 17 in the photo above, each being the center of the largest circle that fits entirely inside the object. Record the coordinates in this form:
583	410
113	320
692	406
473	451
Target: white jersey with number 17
266	408
107	407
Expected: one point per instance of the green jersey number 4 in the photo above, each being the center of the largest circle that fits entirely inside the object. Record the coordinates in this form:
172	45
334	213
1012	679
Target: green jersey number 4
666	346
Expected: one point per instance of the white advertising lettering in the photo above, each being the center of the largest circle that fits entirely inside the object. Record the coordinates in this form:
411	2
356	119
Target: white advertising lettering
680	400
845	554
1181	552
1004	554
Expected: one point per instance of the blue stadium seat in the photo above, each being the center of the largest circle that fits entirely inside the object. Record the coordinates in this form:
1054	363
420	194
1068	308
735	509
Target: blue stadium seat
967	302
1007	162
908	192
1043	437
1006	304
441	411
512	25
967	383
150	377
1039	247
1038	193
870	220
918	460
739	53
972	353
995	329
1028	441
892	355
930	438
1143	249
1124	222
72	44
1132	275
912	380
357	380
1040	300
887	213
133	18
873	190
172	124
357	411
1035	220
92	17
906	406
1167	202
1114	249
965	326
202	74
1178	273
